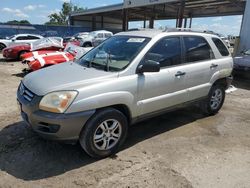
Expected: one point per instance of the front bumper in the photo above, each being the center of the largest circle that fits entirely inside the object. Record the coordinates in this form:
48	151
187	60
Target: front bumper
9	55
63	127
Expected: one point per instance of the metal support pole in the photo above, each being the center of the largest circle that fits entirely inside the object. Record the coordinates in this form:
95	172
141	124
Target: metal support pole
185	23
190	20
144	22
102	24
93	23
181	13
151	23
125	20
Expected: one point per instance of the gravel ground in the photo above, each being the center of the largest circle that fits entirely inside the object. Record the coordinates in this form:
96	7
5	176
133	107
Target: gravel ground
178	149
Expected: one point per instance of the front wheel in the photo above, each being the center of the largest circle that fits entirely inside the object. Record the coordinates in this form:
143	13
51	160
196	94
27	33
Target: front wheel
214	101
104	133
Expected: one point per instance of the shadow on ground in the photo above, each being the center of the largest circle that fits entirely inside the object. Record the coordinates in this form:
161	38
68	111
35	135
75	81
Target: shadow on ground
3	60
20	75
26	156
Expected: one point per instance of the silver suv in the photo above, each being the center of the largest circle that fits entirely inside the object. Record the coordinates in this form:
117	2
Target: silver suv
128	78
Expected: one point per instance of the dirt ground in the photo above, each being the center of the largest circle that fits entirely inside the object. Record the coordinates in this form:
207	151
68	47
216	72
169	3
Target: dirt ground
178	149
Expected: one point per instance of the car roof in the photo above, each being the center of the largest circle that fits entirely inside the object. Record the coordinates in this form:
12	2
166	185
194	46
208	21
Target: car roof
24	34
151	33
101	31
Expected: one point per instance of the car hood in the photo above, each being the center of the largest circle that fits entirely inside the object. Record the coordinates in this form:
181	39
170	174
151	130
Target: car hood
65	76
242	61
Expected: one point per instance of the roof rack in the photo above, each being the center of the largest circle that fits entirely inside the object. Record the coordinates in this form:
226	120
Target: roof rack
188	30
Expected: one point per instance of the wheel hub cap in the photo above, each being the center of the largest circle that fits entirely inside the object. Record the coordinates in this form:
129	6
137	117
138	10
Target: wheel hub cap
107	134
216	99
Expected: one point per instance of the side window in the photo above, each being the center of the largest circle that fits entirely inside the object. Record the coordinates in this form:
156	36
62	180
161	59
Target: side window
107	35
167	52
33	37
100	35
221	47
22	38
197	49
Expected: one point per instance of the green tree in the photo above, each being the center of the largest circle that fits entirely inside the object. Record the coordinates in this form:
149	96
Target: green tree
62	17
18	22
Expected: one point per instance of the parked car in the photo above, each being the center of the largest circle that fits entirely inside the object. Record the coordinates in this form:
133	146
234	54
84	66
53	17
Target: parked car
128	78
44	58
18	39
48	44
95	38
80	35
242	64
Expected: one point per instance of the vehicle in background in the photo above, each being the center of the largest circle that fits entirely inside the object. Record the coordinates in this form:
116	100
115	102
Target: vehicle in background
41	59
80	36
128	78
242	64
71	40
226	41
18	39
45	44
95	38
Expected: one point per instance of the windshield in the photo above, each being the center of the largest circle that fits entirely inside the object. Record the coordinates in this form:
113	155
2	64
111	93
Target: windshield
47	43
114	54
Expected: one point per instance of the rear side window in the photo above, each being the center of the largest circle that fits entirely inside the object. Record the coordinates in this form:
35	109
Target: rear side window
197	49
221	47
100	35
107	35
30	37
167	52
22	38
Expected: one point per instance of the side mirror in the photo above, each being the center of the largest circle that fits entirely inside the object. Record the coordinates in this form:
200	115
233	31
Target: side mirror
149	66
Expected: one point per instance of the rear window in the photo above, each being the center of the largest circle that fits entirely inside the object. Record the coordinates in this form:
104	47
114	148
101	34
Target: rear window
221	47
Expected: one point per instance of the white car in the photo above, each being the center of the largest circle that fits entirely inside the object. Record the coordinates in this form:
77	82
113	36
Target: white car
18	39
81	35
95	38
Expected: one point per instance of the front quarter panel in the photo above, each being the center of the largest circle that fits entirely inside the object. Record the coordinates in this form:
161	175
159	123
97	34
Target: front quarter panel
116	91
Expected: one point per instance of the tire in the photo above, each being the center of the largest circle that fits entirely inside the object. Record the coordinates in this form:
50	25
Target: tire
107	140
20	54
213	103
2	46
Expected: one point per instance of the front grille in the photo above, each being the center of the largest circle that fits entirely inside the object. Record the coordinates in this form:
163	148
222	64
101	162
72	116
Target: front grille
26	93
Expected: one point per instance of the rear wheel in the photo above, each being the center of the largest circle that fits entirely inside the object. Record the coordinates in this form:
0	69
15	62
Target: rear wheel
214	101
2	46
104	133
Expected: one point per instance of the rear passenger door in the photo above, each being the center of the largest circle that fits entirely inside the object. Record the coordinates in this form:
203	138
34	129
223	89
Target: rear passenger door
167	88
200	65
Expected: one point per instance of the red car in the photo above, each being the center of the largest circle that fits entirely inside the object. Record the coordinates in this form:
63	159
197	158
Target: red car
15	52
41	59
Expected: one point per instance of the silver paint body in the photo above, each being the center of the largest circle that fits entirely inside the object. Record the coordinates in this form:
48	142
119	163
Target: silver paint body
140	93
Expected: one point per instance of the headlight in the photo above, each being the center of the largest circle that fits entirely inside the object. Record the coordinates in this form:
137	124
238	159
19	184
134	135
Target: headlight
57	102
10	50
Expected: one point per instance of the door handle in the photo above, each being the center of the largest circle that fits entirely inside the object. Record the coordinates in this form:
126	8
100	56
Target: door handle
213	66
180	73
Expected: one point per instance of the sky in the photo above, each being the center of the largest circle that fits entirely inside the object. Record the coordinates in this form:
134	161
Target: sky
37	11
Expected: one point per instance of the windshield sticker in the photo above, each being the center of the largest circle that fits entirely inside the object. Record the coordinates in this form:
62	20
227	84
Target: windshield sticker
138	40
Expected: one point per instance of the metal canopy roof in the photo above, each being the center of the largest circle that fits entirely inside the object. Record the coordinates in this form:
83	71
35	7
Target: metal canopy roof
193	8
